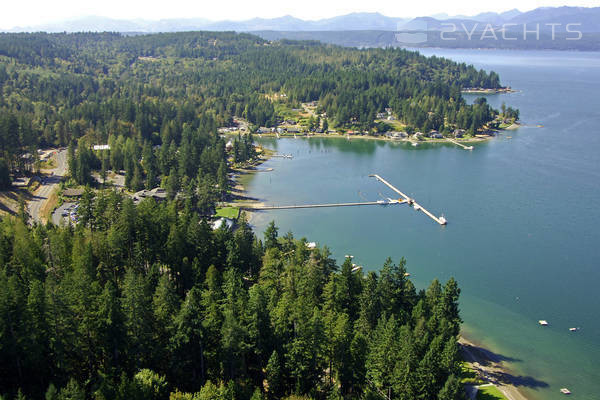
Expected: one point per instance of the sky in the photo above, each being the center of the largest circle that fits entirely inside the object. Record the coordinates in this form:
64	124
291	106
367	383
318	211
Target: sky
35	12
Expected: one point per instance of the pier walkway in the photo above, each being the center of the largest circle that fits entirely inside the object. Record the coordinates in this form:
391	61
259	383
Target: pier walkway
459	144
364	203
416	206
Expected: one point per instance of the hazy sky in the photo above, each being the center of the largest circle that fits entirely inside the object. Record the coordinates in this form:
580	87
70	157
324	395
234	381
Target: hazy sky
34	12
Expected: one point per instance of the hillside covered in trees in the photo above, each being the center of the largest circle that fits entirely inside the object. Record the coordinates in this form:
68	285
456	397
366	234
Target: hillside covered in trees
174	90
147	302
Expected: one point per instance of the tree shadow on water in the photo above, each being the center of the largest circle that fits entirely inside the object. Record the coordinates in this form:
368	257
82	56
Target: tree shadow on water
484	356
493	370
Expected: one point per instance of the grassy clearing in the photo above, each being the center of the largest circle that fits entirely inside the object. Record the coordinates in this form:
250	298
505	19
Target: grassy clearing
34	185
490	393
469	376
285	111
48	164
397	125
228	212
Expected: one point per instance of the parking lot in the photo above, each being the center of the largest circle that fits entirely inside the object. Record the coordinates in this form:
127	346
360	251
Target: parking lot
65	213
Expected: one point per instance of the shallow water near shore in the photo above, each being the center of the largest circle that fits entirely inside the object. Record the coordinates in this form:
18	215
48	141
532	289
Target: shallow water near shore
523	218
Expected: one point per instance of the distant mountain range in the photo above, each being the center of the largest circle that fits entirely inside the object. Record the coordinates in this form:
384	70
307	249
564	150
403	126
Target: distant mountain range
377	30
589	18
355	21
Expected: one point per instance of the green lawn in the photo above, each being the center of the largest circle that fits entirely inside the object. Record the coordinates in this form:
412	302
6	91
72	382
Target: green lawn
228	212
469	376
490	393
286	112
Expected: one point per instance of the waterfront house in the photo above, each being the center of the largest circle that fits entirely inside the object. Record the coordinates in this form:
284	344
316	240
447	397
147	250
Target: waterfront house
435	135
397	135
459	133
222	221
158	194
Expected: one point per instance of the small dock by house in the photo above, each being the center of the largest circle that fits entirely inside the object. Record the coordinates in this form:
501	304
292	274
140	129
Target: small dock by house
460	144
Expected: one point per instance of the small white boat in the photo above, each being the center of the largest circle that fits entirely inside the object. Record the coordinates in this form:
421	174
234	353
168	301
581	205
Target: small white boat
443	220
565	391
415	144
348	256
573	329
356	268
543	322
417	207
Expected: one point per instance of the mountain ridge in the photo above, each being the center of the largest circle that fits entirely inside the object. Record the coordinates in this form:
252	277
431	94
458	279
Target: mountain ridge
589	18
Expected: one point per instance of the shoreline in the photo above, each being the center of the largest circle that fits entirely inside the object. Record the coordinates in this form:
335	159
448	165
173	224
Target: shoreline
238	190
477	139
489	368
380	138
484	362
488	91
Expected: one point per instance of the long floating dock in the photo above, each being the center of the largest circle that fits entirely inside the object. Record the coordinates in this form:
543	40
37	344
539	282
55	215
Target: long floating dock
460	144
282	155
417	207
364	203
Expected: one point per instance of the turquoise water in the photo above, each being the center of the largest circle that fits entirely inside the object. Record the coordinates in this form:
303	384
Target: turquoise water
523	218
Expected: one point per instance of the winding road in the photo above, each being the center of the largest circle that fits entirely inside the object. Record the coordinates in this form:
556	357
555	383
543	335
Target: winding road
48	185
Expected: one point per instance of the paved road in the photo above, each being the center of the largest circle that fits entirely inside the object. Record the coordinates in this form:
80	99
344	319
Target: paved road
48	185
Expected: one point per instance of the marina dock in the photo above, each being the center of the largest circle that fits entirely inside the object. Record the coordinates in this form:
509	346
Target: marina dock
287	207
407	199
460	144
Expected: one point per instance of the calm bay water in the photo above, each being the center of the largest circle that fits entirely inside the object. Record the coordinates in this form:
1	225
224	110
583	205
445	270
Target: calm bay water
523	236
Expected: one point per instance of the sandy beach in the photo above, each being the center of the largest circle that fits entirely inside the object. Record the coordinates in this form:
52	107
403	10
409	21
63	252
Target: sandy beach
490	367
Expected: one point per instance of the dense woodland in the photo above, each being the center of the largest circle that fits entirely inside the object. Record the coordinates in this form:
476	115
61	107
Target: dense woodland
147	301
173	90
143	302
